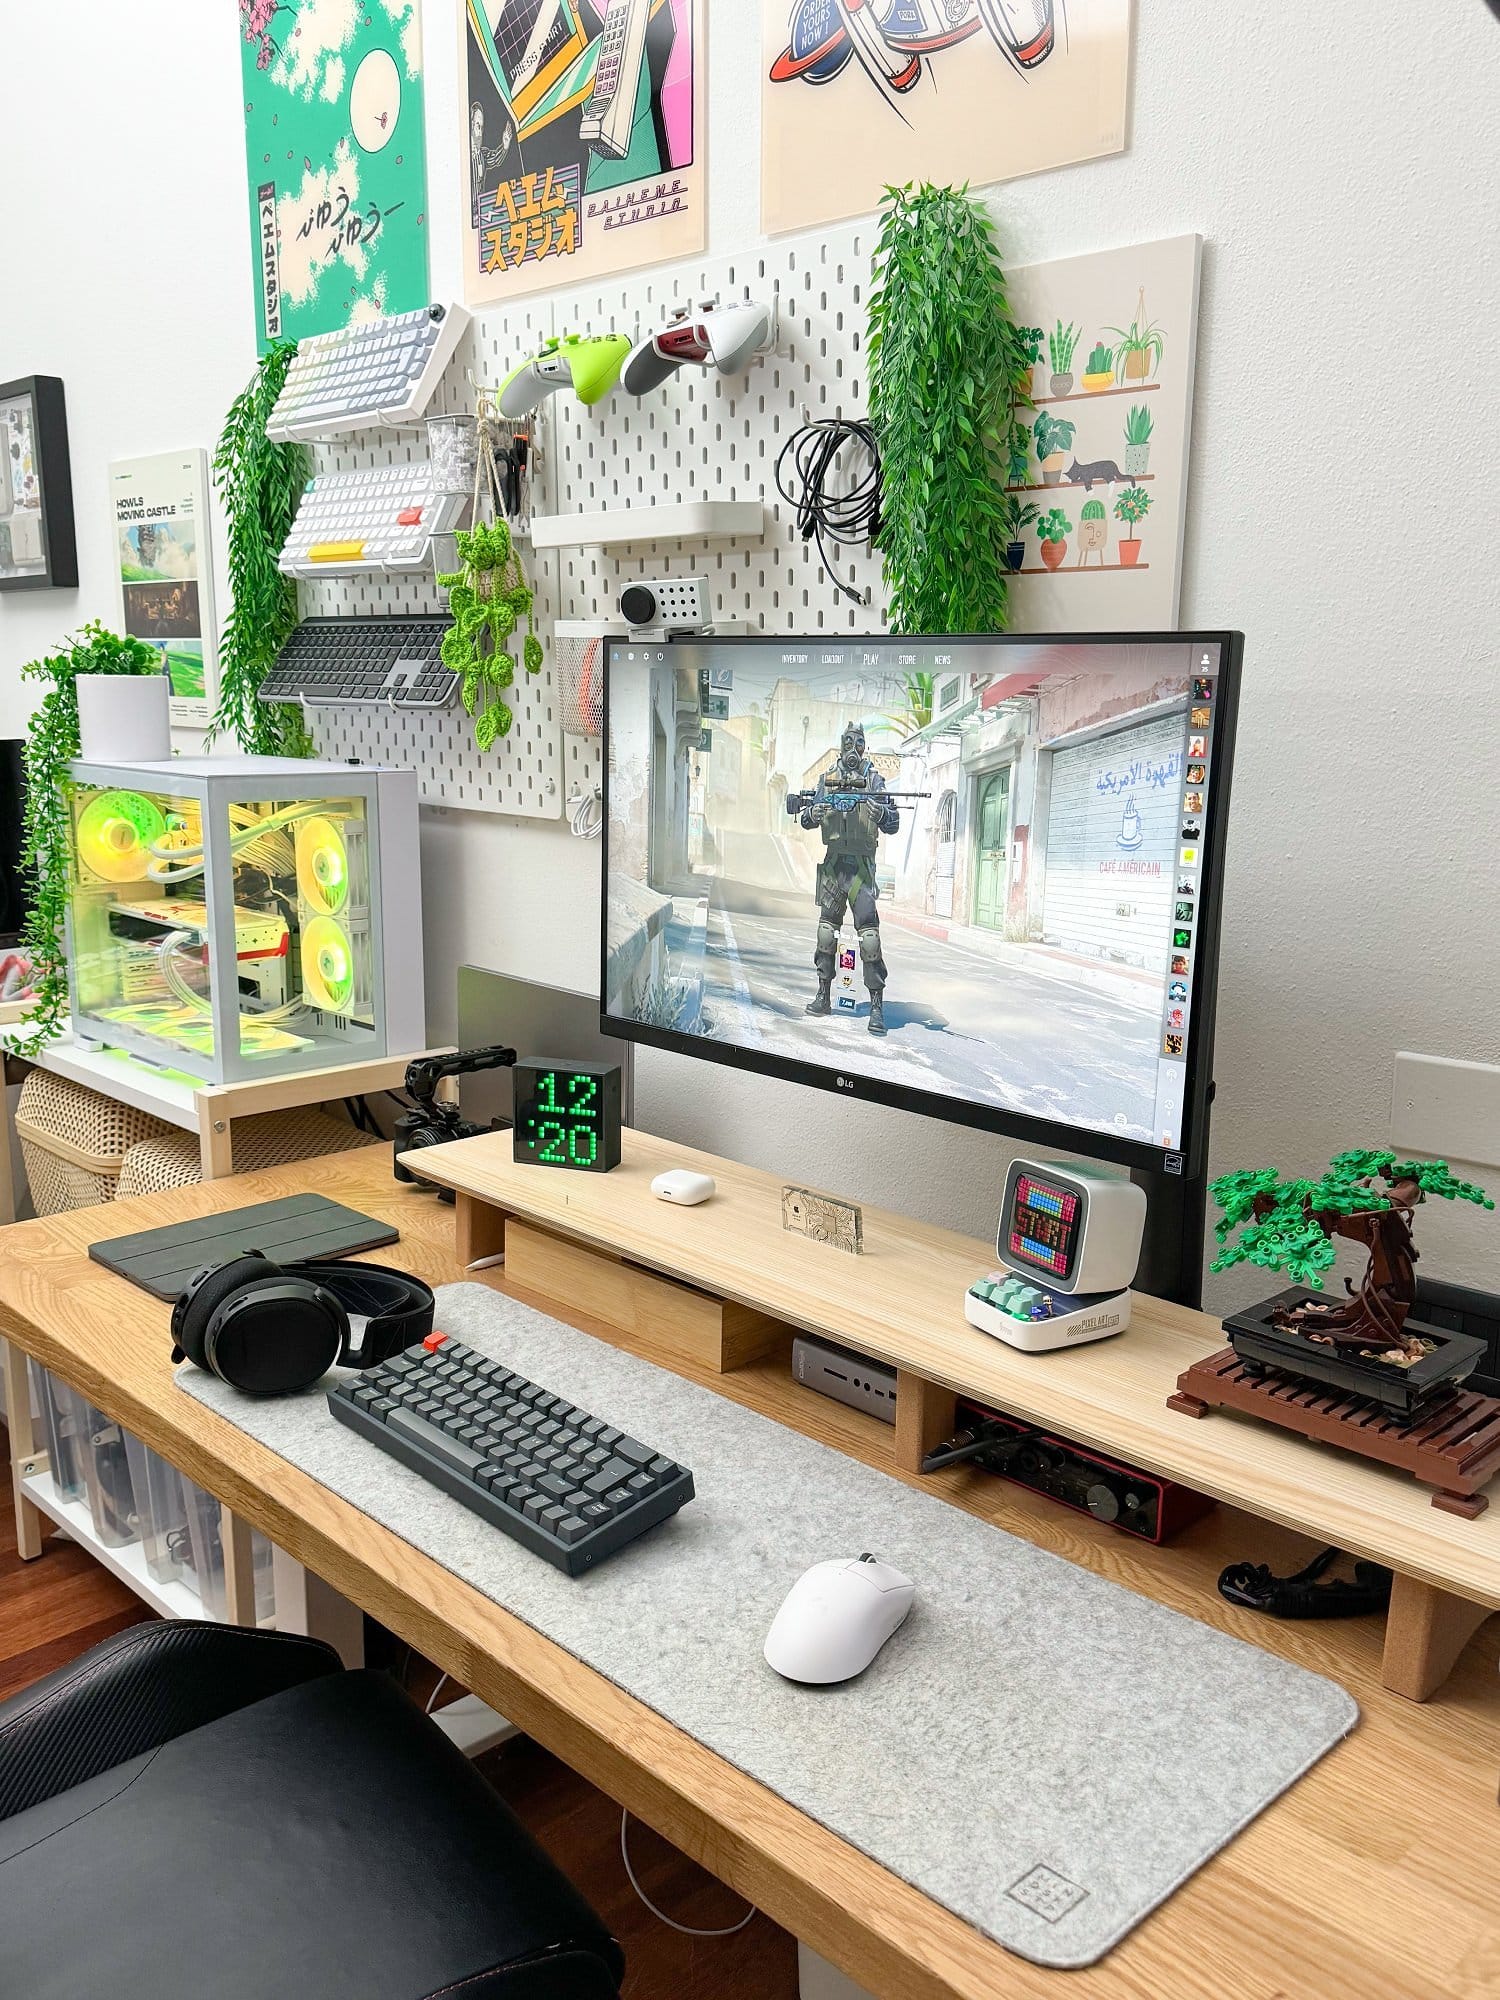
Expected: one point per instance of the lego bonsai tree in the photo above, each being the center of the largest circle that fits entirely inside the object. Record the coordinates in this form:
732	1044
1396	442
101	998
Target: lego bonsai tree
1365	1197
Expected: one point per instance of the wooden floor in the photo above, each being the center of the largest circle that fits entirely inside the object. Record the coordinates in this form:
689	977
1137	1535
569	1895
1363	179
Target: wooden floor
53	1609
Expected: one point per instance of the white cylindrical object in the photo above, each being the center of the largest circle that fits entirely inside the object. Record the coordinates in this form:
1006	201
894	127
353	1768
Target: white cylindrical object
124	718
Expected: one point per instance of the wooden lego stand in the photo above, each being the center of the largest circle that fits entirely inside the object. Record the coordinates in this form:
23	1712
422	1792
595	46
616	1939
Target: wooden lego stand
723	1284
1456	1448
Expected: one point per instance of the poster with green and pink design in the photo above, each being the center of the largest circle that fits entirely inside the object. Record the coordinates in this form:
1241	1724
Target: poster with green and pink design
583	148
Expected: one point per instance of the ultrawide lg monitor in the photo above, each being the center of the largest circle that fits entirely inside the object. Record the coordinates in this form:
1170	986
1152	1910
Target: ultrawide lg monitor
976	878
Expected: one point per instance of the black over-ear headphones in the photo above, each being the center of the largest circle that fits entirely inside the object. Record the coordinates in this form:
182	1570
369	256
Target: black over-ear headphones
270	1328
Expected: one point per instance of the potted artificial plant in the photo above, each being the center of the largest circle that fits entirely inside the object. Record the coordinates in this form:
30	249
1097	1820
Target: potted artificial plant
1019	516
943	379
1093	531
1054	529
1131	507
1100	372
1060	344
1137	440
1054	440
52	743
260	484
1138	355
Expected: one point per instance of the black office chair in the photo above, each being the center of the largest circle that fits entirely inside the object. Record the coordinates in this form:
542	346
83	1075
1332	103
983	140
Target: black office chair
198	1809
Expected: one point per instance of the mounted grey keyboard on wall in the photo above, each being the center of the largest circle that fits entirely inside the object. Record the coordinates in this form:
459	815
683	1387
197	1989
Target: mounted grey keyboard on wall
377	372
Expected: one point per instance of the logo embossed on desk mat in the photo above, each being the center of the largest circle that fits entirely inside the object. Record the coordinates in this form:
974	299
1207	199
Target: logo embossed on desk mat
1046	1892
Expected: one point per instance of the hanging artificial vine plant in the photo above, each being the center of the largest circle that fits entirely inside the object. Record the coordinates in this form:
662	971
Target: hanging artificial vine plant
46	837
488	596
260	484
944	356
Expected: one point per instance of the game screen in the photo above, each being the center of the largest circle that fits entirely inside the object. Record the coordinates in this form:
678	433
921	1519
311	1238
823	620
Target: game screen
969	870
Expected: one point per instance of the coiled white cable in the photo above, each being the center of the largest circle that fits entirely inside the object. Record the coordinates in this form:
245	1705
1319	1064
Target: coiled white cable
685	1929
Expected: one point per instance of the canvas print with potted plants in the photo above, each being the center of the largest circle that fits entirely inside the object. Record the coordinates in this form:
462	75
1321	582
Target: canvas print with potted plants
1097	437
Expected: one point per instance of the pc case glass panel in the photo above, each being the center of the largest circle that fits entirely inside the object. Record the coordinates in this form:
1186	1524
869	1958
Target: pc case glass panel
227	916
301	891
142	951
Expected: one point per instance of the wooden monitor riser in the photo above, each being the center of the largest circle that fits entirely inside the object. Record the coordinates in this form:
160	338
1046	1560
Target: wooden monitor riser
723	1285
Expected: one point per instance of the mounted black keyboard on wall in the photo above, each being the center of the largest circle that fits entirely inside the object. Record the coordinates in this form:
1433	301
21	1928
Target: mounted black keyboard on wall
566	1485
395	662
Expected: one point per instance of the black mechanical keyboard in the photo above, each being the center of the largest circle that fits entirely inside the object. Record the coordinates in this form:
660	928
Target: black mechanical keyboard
384	660
567	1486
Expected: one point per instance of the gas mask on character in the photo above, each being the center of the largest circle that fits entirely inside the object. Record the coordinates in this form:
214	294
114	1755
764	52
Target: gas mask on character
852	750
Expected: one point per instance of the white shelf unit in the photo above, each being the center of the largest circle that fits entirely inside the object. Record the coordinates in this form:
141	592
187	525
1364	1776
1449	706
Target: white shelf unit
128	1563
626	527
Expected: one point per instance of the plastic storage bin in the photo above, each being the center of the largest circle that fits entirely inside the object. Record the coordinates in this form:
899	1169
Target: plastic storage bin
206	1553
64	1428
106	1481
161	1511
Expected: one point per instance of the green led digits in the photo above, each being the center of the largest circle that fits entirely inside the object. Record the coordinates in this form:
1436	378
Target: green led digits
567	1115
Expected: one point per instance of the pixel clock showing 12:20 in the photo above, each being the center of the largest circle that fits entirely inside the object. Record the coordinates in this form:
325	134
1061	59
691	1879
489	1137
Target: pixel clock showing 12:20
567	1115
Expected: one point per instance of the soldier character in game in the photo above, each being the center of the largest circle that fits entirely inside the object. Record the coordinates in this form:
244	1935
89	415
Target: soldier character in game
851	809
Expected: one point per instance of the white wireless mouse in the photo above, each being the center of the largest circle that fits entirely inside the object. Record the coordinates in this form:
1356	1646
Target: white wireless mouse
836	1618
682	1185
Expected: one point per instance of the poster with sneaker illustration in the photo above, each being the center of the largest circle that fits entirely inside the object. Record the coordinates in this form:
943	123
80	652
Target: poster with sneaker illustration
860	94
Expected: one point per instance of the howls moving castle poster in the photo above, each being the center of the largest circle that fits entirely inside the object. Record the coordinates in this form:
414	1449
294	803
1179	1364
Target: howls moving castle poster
584	149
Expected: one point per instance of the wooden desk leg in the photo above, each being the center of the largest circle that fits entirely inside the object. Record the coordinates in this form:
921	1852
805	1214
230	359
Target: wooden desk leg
31	1525
479	1230
1425	1631
239	1569
925	1416
215	1144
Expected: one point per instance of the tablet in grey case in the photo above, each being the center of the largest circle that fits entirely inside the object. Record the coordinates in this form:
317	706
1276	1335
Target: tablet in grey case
163	1261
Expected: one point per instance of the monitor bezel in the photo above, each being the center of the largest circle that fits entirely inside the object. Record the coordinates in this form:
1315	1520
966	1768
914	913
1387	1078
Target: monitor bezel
1186	1161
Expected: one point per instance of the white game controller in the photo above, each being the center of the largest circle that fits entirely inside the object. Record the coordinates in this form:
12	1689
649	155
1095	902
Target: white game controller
715	336
683	1186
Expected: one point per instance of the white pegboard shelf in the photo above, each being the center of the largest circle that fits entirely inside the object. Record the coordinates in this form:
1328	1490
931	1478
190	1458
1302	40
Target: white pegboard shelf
628	527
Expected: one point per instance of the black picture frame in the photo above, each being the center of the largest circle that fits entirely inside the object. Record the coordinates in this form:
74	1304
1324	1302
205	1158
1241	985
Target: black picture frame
54	475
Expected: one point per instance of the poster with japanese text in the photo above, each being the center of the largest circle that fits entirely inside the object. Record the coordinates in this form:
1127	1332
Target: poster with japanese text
584	145
857	95
336	151
159	506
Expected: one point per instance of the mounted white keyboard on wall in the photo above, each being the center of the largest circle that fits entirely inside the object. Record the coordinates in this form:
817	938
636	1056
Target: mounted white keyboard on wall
378	372
382	518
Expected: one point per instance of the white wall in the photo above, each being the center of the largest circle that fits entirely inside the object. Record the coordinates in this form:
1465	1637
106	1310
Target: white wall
1341	162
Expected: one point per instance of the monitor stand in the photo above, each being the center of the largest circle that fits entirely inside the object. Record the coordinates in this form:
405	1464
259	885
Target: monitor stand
1171	1265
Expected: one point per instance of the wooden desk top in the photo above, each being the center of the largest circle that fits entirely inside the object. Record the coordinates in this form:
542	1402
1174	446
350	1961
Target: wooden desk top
1372	1880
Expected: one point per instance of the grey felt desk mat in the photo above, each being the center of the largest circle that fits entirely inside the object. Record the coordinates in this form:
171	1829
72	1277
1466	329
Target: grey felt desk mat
1047	1754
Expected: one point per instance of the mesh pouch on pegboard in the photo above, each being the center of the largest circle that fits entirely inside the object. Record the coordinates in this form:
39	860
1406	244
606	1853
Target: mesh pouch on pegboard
578	660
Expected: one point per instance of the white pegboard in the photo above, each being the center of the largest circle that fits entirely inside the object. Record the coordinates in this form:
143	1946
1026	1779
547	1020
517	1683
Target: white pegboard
702	436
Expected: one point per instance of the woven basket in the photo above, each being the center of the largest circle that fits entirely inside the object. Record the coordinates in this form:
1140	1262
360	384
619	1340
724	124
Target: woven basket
74	1141
274	1139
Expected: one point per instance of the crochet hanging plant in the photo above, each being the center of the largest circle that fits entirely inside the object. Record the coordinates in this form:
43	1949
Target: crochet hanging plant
488	596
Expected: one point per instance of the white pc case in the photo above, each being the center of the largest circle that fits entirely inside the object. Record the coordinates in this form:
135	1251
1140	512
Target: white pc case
241	917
